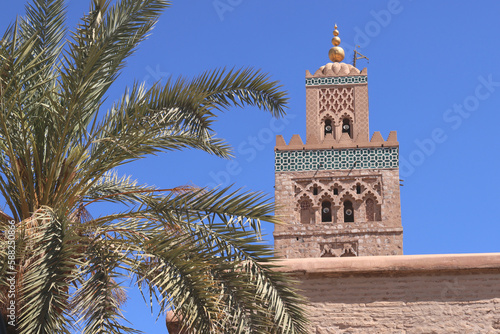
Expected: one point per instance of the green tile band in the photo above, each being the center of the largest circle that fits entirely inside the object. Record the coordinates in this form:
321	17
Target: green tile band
365	158
358	79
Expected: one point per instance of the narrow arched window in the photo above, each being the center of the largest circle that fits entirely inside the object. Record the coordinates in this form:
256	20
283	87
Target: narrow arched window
315	190
346	126
358	189
326	212
348	212
328	126
305	212
370	210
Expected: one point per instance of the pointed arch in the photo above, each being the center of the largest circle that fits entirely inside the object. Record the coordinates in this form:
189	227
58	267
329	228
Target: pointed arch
346	123
326	211
315	189
372	208
347	126
328	126
306	212
348	211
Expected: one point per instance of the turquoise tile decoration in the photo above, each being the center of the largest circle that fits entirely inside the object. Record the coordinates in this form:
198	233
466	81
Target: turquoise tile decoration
358	79
366	158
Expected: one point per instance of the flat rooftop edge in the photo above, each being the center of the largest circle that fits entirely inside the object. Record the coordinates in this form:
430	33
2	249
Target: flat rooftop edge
395	263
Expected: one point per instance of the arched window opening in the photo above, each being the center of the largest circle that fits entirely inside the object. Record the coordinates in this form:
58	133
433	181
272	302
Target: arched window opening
370	210
348	212
346	126
315	190
328	126
335	191
326	212
358	189
305	212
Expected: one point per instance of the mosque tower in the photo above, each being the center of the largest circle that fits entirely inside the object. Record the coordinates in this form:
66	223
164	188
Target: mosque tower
338	192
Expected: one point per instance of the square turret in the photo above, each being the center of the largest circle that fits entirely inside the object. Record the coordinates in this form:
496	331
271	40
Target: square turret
338	192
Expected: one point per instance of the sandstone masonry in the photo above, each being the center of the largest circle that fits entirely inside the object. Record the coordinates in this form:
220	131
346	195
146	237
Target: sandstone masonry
411	294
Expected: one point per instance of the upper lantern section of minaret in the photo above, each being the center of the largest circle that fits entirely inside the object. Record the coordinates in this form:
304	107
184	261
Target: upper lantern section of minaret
336	68
337	108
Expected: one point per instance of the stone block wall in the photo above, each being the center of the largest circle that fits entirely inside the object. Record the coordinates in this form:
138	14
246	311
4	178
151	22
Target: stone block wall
310	241
438	294
381	237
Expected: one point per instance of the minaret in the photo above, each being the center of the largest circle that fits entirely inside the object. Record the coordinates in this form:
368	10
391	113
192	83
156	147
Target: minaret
337	193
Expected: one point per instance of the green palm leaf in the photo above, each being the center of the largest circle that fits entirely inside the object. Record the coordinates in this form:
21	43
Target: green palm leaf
191	250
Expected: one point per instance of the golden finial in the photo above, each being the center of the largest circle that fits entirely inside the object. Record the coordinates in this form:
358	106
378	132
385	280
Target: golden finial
336	54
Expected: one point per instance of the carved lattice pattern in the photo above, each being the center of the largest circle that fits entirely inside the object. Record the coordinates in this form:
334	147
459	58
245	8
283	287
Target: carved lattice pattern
370	210
336	99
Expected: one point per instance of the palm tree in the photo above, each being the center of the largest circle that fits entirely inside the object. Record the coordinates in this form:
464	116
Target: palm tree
191	250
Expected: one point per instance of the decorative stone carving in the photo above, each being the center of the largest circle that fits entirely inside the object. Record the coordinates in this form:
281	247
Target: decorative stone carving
339	249
336	99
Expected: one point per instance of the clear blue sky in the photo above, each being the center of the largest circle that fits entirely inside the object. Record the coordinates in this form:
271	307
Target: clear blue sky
433	69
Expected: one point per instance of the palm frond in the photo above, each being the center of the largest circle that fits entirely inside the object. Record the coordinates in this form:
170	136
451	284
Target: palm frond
100	295
216	221
104	39
180	114
45	20
175	267
45	285
26	81
110	187
241	87
228	238
195	251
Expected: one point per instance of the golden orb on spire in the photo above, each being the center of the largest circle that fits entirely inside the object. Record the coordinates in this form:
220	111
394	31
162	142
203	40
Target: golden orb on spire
336	54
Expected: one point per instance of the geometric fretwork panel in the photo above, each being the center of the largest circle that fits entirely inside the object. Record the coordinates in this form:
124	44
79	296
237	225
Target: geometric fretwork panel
335	99
355	158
